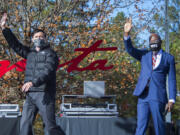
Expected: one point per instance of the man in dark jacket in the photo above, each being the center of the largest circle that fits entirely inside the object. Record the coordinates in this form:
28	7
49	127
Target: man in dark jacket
40	80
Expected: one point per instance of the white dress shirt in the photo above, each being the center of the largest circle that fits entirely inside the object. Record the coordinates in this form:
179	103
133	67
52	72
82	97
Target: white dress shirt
158	59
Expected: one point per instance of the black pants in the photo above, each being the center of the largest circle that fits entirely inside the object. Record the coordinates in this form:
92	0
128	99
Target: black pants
44	104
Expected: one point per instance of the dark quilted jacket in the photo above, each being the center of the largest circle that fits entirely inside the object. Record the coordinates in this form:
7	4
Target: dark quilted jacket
40	66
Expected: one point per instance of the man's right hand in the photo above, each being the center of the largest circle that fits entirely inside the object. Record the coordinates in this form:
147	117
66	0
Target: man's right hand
3	21
127	26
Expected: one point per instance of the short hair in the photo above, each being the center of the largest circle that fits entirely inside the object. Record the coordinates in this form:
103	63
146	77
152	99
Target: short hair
154	34
38	30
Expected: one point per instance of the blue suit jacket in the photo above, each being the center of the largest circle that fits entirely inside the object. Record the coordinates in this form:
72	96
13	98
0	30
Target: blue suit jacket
156	79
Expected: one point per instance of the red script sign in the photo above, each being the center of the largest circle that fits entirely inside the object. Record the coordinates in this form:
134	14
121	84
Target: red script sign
72	64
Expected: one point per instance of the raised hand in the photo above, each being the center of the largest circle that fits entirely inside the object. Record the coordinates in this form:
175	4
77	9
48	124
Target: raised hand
128	26
3	21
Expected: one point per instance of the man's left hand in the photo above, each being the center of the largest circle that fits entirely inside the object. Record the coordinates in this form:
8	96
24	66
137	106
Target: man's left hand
169	106
26	86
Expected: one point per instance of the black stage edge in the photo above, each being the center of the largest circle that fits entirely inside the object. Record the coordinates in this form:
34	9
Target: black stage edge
177	129
90	126
97	126
108	126
9	126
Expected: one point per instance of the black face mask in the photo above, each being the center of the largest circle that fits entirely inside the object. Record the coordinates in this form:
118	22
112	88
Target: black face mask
155	46
39	43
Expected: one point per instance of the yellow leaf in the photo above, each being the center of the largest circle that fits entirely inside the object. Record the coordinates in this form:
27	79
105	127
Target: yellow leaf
113	40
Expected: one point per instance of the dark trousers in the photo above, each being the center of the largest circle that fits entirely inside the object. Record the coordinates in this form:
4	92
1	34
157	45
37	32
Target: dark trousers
44	104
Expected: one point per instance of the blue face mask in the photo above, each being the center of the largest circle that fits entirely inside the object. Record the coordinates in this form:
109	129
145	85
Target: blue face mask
39	43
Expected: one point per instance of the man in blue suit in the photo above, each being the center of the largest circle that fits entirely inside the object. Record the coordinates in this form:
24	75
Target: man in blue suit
151	87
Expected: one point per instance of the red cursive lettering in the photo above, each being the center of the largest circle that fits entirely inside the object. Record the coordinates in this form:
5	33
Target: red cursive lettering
72	64
99	64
